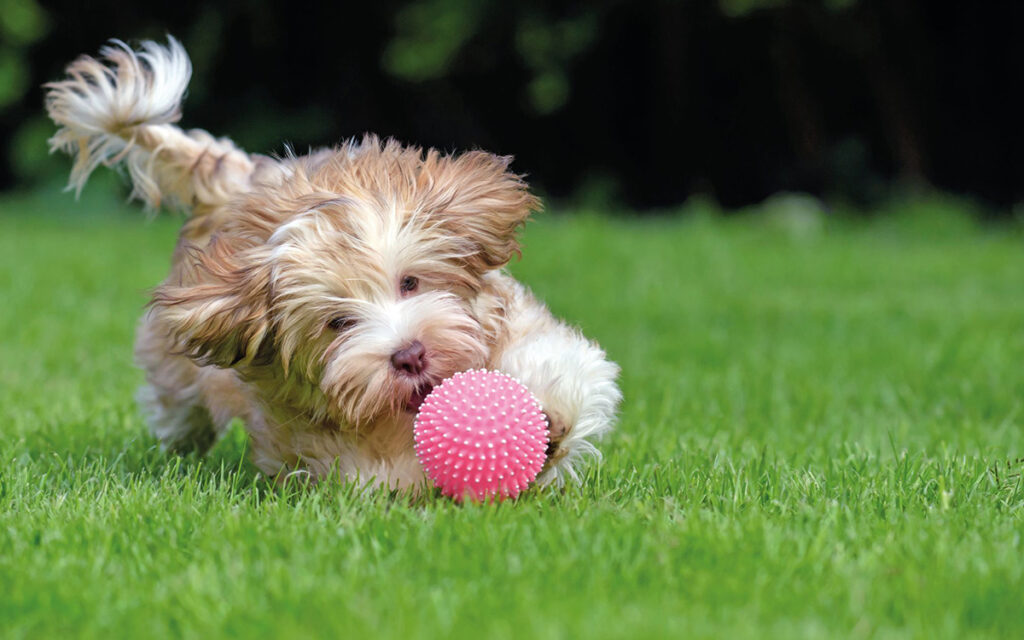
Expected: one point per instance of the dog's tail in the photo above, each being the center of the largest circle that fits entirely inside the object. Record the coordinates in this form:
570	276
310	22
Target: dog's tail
121	109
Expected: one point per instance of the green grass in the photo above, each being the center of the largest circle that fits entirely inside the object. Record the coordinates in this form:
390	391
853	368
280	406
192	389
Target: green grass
822	437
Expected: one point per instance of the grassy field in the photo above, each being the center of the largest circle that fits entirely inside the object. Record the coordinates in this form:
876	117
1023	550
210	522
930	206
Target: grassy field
822	437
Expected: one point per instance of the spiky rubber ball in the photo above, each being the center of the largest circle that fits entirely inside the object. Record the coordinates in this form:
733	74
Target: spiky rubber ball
481	435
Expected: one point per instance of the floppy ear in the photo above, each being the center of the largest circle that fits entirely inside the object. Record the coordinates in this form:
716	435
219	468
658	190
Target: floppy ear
224	318
476	197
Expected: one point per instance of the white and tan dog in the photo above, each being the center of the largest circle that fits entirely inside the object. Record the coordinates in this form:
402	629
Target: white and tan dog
320	297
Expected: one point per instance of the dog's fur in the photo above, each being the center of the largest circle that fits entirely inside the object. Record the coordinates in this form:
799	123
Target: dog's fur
295	280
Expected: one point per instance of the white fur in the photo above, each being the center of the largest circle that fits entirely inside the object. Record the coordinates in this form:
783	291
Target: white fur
572	378
100	107
121	109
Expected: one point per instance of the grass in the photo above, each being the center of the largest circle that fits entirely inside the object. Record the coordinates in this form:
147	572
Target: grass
822	437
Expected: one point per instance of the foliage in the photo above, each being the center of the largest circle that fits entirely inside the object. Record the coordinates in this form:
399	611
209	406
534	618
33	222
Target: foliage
22	22
431	35
652	101
740	8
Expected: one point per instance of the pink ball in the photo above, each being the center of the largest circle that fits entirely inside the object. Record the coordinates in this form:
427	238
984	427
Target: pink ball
481	434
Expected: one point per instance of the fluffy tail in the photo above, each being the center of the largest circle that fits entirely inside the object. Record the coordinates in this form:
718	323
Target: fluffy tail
121	109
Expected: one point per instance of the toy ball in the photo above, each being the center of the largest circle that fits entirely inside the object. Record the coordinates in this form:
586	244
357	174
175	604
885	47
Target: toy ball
482	435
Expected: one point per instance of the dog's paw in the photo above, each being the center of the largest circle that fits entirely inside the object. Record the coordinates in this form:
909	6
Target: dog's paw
557	430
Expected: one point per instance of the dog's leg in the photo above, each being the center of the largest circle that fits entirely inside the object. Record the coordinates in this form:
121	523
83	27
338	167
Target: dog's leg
188	407
570	375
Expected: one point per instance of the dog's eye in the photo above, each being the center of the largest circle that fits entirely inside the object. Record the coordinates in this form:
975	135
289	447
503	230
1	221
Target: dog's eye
340	323
409	284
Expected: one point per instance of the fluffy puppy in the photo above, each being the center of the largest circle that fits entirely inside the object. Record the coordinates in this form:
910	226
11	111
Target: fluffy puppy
319	298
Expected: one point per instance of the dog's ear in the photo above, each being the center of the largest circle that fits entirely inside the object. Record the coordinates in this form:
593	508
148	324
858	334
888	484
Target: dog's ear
223	319
476	197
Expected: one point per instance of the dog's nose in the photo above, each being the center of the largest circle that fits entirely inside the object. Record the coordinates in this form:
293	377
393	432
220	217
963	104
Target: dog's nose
411	360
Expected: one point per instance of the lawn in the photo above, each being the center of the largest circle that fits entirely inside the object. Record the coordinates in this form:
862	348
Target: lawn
822	437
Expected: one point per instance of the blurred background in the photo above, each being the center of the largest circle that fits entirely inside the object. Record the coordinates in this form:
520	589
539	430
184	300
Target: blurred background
618	105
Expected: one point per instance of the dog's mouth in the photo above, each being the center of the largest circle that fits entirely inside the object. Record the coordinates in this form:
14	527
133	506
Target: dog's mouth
412	405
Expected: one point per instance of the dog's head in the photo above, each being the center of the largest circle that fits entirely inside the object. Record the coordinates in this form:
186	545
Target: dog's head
354	281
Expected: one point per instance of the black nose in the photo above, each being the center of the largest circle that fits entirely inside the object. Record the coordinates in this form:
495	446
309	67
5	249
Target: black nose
411	360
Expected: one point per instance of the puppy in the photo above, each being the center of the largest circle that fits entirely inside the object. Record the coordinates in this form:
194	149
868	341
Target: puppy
320	297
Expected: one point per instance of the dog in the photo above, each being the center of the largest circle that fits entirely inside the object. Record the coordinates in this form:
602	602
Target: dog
319	298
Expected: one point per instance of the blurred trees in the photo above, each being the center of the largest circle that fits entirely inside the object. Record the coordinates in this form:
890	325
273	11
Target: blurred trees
642	102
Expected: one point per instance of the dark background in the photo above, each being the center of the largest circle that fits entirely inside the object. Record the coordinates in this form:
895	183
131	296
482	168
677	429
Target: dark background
612	103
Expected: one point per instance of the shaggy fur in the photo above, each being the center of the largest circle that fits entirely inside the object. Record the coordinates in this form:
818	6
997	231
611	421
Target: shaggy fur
296	281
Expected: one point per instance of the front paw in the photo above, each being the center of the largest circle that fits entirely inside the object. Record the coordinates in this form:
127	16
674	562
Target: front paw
557	430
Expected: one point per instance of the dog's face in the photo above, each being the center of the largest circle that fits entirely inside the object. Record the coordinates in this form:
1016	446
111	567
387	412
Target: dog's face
352	283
